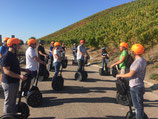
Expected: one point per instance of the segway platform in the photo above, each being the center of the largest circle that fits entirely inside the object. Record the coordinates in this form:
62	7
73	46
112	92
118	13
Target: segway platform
103	72
81	76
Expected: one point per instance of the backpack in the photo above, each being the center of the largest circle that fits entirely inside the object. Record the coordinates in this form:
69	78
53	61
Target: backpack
129	61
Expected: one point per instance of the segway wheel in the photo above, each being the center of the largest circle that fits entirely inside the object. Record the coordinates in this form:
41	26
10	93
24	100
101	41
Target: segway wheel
64	63
34	88
34	99
8	116
78	76
122	99
23	110
85	75
46	74
132	115
58	84
101	72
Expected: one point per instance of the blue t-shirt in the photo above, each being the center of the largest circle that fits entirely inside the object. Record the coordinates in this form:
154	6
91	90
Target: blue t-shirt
3	49
10	59
51	49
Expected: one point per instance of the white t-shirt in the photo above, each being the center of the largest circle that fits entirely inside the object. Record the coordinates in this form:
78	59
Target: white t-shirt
83	50
31	64
58	52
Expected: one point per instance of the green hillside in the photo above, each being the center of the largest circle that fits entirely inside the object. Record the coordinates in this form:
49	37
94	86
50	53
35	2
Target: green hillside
134	22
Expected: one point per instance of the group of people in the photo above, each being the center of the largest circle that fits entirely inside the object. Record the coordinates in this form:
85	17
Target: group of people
11	71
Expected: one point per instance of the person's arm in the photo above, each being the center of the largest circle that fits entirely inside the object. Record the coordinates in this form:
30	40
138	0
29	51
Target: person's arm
118	62
38	60
42	54
12	74
128	75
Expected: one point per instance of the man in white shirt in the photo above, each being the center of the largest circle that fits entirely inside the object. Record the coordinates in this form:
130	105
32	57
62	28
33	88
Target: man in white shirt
32	60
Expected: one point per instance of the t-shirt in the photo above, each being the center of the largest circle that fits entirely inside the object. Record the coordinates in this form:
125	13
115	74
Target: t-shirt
41	48
58	52
83	50
3	49
31	64
51	49
104	53
74	49
123	64
10	60
139	66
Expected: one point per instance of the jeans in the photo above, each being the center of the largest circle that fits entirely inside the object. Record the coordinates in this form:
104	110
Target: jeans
104	62
74	55
80	65
137	99
10	94
57	68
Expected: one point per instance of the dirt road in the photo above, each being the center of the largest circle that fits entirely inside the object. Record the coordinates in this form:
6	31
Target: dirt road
91	99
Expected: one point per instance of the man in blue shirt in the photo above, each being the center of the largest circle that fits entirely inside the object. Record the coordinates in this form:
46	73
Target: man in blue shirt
51	55
11	76
3	50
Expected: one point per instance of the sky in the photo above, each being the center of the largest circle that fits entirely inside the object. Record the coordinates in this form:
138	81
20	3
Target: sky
38	18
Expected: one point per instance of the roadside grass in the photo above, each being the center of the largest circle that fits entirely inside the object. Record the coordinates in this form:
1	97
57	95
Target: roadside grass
154	76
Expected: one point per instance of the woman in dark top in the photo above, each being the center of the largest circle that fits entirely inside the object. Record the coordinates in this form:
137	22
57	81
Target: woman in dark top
105	58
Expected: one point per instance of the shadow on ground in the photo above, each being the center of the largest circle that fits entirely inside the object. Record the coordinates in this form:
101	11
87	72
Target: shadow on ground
43	118
80	89
107	117
49	101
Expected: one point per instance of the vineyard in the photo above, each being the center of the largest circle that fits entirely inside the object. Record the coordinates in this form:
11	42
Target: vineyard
133	22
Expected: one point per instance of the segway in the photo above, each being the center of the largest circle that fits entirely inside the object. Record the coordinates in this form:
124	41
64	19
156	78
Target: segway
34	97
115	70
58	83
103	72
121	94
64	62
74	62
23	110
44	74
1	92
81	75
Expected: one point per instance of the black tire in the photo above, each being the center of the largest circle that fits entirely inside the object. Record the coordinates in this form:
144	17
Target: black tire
122	99
24	110
78	76
85	75
34	88
132	115
34	99
8	116
64	63
101	72
107	73
58	84
45	76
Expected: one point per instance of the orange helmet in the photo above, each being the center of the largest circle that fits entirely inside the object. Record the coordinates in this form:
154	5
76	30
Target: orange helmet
31	41
5	39
57	44
52	42
137	49
123	44
12	41
81	41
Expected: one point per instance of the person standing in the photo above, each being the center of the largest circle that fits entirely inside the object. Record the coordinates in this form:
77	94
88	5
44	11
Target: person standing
51	55
136	79
57	58
105	58
81	52
32	60
3	50
11	76
41	55
123	58
74	51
